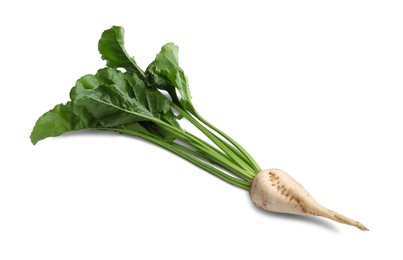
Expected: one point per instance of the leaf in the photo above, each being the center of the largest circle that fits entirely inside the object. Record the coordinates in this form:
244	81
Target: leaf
111	47
62	118
165	72
109	99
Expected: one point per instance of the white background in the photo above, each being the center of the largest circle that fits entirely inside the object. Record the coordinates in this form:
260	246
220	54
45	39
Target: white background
312	87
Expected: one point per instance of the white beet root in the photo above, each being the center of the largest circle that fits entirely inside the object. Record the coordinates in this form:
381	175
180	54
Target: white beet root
274	190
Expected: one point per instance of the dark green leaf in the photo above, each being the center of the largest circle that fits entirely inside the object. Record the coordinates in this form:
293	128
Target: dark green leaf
109	99
111	46
165	72
62	118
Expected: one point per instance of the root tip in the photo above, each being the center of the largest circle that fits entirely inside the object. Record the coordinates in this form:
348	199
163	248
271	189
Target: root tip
362	227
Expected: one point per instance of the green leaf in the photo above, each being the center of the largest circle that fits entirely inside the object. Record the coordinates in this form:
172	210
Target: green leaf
118	98
109	99
166	74
105	100
111	47
62	118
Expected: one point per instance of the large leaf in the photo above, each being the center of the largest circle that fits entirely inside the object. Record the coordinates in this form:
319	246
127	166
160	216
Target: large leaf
165	72
62	118
109	99
111	46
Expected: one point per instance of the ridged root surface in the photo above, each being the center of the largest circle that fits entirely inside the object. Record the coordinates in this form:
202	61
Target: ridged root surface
274	190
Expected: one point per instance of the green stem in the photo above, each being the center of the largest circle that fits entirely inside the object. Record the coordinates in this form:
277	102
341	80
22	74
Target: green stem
246	155
219	158
240	155
205	157
215	149
193	140
217	141
178	151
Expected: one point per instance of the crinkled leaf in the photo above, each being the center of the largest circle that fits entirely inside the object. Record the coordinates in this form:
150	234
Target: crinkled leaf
166	74
113	97
111	46
108	99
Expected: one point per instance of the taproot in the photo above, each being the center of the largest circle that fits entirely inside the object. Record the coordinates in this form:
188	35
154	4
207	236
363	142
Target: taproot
274	190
